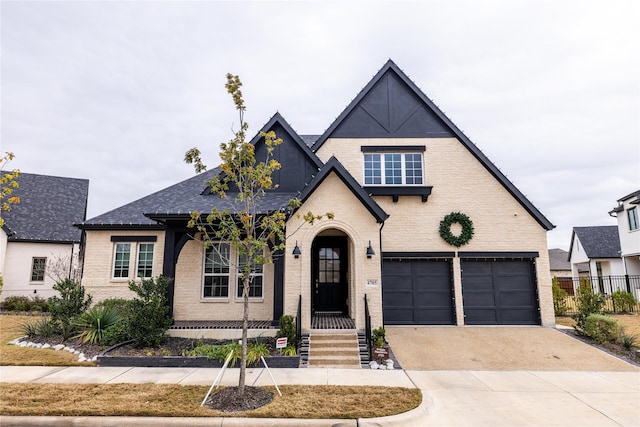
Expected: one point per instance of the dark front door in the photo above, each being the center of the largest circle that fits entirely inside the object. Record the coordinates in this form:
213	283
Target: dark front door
329	281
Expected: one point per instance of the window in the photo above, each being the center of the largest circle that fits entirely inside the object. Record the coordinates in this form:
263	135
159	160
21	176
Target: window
255	284
37	269
121	260
393	169
216	271
632	214
145	260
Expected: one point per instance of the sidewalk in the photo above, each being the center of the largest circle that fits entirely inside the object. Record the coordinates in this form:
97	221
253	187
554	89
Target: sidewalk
450	398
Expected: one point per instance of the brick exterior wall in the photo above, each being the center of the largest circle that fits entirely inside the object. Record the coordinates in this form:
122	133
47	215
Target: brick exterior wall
97	276
460	183
188	303
351	219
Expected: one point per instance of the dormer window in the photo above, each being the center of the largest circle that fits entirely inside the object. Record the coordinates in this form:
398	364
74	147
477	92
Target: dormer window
393	169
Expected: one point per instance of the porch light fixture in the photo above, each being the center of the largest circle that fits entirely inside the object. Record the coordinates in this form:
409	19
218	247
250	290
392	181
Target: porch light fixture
370	251
296	251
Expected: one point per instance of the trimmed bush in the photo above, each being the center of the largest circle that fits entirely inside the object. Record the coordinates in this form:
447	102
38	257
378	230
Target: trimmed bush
24	303
601	328
149	318
623	301
71	303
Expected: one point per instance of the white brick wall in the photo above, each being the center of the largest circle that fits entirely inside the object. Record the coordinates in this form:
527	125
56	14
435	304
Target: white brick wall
460	183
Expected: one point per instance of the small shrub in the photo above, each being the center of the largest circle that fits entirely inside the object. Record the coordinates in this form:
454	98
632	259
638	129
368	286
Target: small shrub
255	351
287	329
95	321
587	303
39	304
623	301
601	329
628	341
559	298
289	350
116	333
41	328
16	303
149	319
378	336
66	307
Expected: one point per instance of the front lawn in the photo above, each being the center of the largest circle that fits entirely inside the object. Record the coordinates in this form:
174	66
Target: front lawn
10	328
170	400
630	322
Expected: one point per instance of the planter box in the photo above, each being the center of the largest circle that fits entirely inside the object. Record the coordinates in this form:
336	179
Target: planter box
189	362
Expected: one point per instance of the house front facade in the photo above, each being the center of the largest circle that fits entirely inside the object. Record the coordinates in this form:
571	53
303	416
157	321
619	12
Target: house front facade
390	169
38	243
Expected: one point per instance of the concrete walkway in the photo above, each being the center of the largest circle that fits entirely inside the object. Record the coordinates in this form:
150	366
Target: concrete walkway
450	398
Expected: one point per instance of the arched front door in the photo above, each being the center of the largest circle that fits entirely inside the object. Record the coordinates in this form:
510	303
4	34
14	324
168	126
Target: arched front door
329	287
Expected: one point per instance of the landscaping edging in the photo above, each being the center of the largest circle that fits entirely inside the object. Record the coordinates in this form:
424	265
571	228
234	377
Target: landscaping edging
104	359
189	361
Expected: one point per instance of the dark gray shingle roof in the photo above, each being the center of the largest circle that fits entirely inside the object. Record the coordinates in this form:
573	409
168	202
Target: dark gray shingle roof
559	260
48	208
179	199
599	241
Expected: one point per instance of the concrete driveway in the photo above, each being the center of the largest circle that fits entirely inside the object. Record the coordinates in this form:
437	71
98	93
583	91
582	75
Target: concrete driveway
497	349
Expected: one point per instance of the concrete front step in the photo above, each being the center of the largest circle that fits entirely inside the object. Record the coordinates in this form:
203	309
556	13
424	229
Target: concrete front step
336	350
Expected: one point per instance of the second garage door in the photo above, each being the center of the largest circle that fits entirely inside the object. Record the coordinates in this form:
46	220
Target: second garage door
499	292
417	292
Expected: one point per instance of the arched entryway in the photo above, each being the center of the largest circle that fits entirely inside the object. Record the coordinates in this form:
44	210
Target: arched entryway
330	278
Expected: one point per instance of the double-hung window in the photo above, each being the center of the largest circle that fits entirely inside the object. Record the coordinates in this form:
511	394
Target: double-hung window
121	260
632	215
393	169
145	260
124	252
216	271
255	284
38	265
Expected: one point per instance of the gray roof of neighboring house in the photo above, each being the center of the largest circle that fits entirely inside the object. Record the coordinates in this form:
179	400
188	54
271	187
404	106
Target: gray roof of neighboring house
598	242
559	260
48	208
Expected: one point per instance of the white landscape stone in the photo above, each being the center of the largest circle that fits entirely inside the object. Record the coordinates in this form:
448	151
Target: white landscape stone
22	344
46	345
58	347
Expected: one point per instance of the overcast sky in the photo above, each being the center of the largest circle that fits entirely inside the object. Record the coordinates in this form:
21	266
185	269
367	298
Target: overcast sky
116	92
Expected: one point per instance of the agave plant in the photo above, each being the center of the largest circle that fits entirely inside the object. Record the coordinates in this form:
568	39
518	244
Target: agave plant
95	321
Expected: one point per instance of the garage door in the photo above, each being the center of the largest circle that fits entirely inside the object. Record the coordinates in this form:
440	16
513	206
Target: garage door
499	292
417	292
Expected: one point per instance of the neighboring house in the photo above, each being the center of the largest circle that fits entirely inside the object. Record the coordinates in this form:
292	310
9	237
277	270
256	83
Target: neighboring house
39	241
390	168
629	231
597	250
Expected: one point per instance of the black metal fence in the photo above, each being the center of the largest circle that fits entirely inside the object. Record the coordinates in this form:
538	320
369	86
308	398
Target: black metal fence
603	285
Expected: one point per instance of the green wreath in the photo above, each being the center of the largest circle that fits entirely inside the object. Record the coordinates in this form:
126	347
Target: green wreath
449	237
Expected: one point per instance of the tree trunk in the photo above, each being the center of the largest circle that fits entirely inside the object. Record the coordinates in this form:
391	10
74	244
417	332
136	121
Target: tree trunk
245	327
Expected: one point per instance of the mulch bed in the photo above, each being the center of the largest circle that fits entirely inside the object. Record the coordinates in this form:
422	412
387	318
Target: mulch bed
632	356
229	399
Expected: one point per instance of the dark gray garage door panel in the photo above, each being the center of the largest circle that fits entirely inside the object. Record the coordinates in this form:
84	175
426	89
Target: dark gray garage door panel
499	292
417	292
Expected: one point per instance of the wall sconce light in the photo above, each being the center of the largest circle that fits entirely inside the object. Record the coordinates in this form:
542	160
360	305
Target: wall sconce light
370	251
296	251
35	291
